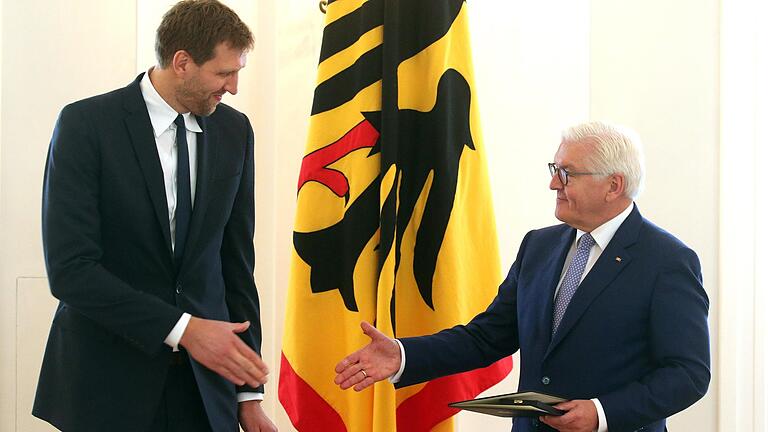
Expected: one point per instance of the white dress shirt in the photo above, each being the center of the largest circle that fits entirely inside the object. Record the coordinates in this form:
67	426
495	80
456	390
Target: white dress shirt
162	117
602	235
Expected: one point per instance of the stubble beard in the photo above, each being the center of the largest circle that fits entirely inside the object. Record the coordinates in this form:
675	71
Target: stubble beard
195	99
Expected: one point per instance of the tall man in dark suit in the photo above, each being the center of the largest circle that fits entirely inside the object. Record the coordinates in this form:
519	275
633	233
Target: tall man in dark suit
607	309
148	221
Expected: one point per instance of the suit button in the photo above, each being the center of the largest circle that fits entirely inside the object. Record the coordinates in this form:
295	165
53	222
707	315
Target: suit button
545	380
178	287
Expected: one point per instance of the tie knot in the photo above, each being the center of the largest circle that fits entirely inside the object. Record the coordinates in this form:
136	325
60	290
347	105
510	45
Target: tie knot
586	241
179	121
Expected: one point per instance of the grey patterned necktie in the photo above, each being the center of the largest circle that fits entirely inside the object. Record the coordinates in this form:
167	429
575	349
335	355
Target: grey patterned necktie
572	279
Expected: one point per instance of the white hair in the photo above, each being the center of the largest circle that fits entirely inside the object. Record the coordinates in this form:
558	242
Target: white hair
616	150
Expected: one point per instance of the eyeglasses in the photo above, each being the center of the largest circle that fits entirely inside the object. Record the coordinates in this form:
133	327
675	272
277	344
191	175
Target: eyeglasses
563	174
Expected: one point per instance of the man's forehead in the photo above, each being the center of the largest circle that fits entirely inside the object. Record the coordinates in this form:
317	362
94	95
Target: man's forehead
571	153
225	57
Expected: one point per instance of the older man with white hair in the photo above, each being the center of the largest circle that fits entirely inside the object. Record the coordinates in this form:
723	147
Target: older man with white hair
607	309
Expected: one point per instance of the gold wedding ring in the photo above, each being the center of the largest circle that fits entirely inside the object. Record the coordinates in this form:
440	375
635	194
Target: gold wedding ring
365	375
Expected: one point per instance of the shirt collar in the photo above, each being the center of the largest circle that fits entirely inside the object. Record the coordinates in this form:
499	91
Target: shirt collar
605	232
161	115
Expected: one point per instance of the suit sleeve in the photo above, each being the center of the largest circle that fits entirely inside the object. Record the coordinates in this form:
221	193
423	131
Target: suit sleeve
237	256
679	346
488	337
72	242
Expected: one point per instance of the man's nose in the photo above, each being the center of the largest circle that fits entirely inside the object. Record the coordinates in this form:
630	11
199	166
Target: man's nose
231	85
555	183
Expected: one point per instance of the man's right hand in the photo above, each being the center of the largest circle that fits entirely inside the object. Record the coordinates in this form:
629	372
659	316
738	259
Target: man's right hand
378	360
215	345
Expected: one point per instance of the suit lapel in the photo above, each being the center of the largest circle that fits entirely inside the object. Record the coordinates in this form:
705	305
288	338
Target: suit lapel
145	147
207	153
552	270
605	270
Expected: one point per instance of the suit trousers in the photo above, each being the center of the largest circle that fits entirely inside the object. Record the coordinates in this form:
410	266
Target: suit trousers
181	408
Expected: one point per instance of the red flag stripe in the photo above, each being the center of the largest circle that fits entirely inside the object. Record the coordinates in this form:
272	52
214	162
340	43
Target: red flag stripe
429	407
307	410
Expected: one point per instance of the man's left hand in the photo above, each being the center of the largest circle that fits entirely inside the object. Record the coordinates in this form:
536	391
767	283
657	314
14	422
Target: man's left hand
581	416
253	418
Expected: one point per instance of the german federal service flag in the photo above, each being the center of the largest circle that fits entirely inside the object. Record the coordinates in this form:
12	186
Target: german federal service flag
394	221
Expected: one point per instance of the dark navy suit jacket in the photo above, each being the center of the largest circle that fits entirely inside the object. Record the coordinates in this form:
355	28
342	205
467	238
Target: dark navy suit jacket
109	259
634	335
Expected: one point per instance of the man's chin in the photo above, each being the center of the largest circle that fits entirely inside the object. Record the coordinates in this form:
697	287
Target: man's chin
560	214
205	112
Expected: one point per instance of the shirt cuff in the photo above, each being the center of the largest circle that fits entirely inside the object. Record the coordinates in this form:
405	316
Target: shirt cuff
602	423
394	379
249	396
173	338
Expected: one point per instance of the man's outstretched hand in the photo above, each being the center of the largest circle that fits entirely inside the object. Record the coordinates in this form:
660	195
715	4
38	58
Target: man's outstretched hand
378	360
215	345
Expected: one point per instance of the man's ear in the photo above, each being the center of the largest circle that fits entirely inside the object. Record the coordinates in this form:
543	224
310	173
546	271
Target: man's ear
181	62
616	188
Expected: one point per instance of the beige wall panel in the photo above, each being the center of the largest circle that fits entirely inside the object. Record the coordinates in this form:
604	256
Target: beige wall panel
149	13
35	307
743	354
655	68
297	29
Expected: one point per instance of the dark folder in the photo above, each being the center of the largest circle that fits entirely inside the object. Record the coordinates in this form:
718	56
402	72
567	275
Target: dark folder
523	404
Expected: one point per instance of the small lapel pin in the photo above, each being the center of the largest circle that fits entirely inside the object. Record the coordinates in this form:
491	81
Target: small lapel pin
618	259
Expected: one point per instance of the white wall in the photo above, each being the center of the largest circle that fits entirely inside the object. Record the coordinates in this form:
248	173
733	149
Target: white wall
540	66
743	235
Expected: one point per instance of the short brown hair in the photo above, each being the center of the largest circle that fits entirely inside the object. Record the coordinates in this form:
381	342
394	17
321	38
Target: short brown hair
198	27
